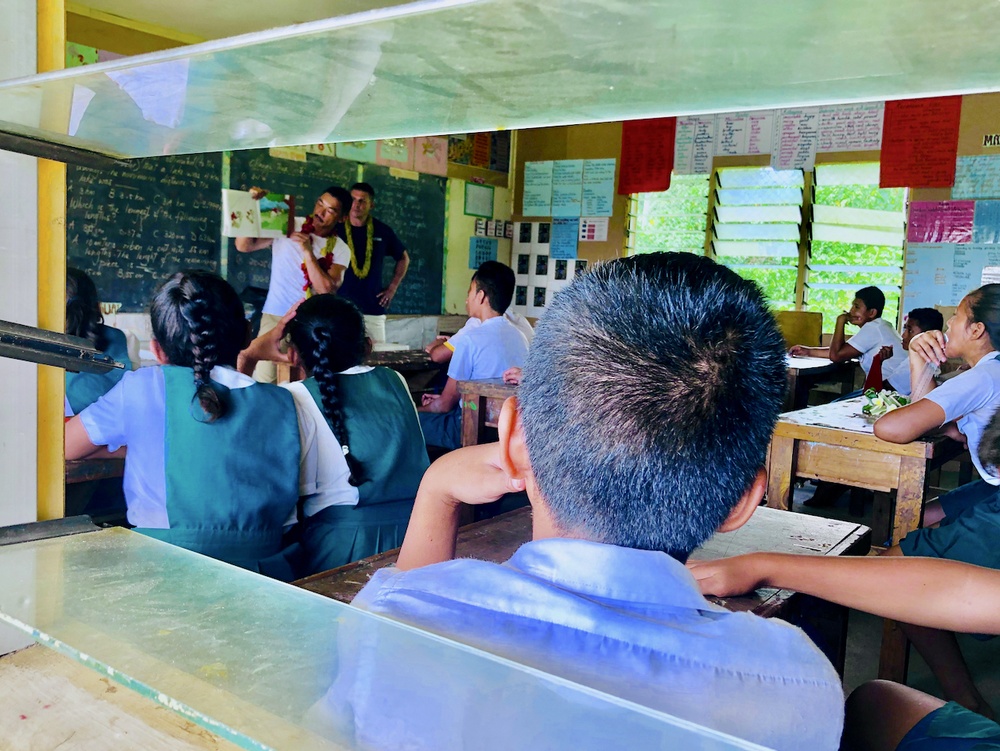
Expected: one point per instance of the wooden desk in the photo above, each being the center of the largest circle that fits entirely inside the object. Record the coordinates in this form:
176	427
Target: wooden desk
415	365
481	404
806	372
85	470
496	540
833	442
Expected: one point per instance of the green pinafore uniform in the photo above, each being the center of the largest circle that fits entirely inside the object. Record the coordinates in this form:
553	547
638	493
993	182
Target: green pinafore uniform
231	484
384	436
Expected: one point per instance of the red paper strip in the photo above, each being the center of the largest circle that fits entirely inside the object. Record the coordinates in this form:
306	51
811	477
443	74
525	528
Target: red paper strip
481	150
920	142
647	155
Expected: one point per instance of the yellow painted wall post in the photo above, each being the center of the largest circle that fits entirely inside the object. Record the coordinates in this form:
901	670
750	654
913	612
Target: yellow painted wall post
51	276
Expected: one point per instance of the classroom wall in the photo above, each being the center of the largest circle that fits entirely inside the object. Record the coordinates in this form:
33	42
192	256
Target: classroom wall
18	301
594	141
459	229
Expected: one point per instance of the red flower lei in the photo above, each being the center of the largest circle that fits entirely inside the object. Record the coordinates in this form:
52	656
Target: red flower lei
325	259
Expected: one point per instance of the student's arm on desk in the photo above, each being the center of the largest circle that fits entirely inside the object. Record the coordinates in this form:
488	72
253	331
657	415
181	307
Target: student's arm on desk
932	592
921	415
470	475
439	350
446	401
79	446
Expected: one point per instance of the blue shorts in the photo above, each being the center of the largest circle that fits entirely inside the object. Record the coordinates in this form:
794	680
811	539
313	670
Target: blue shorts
952	728
969	530
442	428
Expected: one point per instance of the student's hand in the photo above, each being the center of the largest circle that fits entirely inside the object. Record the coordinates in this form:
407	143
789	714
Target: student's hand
428	399
512	376
438	341
257	193
472	475
267	346
886	352
928	346
727	577
799	350
951	430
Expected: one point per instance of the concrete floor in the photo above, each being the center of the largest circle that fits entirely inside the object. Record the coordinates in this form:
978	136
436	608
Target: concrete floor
865	631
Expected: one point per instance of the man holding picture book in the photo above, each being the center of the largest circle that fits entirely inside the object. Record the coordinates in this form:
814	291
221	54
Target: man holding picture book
309	261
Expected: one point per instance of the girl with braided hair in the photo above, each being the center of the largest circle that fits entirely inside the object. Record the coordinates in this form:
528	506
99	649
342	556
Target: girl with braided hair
363	451
213	457
84	319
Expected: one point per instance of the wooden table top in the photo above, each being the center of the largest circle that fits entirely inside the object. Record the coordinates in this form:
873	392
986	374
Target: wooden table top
84	470
768	530
402	359
488	387
841	424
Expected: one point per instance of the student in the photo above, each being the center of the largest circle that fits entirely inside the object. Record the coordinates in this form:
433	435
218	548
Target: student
928	592
969	516
84	319
362	448
442	348
484	352
918	320
639	430
875	333
213	458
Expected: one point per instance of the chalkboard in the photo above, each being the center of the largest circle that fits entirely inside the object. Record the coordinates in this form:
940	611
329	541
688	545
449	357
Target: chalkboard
413	208
130	227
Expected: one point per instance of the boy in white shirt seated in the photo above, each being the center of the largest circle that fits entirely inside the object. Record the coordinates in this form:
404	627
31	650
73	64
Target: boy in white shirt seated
875	333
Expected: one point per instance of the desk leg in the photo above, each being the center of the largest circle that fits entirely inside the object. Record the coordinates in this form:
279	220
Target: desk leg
780	472
895	656
471	409
909	497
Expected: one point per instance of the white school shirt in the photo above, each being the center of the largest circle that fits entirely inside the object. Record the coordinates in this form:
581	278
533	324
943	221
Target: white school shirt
487	350
870	339
971	398
519	321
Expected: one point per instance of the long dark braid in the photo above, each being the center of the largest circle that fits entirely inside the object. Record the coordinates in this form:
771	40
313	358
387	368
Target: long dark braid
199	322
83	309
329	334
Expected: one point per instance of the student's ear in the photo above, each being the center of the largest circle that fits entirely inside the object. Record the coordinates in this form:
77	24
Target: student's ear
745	507
977	330
158	353
513	451
369	346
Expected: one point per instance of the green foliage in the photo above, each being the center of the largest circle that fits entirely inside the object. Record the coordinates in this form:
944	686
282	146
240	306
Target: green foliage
677	220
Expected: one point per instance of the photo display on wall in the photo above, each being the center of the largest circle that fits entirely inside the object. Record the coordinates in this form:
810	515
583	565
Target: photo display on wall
539	273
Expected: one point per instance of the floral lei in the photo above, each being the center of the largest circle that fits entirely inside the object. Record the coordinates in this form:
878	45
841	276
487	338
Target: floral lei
325	259
369	241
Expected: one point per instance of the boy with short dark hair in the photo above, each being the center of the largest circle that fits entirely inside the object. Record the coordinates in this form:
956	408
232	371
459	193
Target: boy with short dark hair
875	333
484	352
639	430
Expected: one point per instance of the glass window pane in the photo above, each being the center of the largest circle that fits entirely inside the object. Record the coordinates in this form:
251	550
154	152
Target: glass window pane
672	220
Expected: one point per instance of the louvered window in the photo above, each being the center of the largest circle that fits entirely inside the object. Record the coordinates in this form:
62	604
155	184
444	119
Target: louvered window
856	240
672	220
756	227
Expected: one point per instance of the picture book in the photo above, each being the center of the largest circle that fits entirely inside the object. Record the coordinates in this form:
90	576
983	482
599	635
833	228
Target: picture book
244	216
